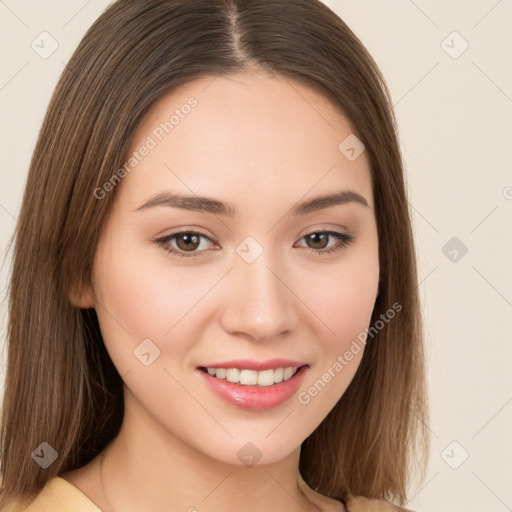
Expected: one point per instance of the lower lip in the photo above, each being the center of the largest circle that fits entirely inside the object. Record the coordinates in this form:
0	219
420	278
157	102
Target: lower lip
255	398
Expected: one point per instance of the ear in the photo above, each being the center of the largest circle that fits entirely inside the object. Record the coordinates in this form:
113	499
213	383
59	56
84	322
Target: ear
81	295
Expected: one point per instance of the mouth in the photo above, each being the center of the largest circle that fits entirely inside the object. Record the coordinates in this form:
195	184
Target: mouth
250	389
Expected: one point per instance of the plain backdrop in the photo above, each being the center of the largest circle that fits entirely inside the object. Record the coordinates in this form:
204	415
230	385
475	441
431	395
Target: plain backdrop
448	66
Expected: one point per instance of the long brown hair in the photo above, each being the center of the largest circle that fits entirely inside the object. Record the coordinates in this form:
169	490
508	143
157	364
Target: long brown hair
61	386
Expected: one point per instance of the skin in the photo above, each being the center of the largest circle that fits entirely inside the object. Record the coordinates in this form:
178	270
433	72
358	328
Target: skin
261	143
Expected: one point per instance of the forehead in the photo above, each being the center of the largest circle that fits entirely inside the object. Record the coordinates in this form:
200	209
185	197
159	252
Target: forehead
267	134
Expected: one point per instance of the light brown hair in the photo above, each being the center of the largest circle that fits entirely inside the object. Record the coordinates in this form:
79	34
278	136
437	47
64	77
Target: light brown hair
61	385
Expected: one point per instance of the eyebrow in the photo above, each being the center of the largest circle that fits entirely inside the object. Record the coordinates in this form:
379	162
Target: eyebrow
208	205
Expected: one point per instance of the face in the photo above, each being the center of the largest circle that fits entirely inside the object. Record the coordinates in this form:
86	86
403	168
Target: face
249	280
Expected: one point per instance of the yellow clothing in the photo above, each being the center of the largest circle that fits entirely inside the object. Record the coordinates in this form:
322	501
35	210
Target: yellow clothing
60	496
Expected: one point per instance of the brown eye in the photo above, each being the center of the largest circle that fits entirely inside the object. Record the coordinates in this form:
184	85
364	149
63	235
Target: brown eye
187	241
184	243
318	240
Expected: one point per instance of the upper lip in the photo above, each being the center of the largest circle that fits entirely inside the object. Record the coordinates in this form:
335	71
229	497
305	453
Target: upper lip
251	364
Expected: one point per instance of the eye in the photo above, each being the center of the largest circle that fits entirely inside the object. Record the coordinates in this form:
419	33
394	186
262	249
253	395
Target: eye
186	243
318	239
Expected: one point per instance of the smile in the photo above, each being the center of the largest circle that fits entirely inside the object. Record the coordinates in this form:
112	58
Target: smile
247	377
254	390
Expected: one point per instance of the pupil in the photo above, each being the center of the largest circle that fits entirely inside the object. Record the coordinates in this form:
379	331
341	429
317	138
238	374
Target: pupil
188	239
317	235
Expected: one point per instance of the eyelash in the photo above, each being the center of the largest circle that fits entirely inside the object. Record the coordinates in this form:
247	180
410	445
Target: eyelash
343	239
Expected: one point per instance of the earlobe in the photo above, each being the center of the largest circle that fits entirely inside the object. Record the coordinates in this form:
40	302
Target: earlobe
82	296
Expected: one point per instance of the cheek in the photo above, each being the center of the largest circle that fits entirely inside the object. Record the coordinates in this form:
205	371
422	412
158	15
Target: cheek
342	298
145	294
142	295
134	301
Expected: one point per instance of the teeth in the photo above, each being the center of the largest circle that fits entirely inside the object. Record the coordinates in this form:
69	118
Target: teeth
249	377
252	377
278	374
233	375
288	372
220	373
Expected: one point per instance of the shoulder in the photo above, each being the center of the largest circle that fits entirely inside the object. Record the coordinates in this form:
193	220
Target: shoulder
352	504
361	504
58	495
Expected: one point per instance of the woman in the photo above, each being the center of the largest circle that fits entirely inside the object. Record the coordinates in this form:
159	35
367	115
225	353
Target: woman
213	300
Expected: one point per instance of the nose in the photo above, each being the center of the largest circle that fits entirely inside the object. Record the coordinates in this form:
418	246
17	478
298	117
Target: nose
260	302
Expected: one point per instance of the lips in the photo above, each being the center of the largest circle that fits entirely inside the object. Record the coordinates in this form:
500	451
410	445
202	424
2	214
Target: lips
255	397
251	364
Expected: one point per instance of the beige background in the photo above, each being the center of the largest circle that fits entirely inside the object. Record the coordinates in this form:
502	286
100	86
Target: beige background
454	116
